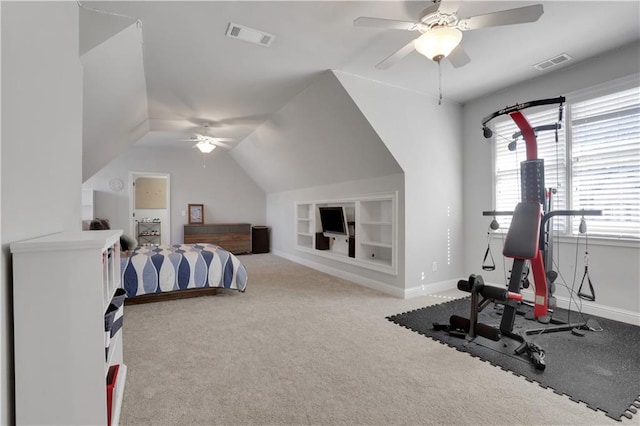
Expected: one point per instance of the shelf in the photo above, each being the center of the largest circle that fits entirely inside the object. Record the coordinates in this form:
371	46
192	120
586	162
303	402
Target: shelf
149	233
119	396
378	262
373	218
379	265
74	272
114	350
304	240
376	244
303	211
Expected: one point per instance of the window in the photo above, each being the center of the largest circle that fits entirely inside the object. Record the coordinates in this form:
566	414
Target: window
606	162
601	137
507	164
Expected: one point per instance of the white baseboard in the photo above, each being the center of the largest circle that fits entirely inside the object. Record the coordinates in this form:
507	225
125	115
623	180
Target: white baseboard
591	308
603	311
433	288
349	276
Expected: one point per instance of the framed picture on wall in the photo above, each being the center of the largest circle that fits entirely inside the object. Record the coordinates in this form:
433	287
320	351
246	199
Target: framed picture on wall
196	214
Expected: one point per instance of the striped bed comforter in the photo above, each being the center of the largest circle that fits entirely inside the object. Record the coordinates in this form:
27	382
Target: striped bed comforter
158	269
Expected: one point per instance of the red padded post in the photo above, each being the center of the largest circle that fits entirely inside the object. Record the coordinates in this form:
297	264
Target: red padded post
527	133
541	303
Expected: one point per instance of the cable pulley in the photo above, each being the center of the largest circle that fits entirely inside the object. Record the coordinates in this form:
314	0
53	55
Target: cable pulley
488	264
582	228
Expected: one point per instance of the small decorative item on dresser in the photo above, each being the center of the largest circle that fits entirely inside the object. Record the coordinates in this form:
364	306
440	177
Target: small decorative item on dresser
196	214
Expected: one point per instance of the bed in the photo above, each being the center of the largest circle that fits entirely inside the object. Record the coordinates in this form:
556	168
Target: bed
180	268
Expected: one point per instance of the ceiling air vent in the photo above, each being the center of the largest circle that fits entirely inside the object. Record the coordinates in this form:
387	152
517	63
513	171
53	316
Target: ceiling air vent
249	34
549	63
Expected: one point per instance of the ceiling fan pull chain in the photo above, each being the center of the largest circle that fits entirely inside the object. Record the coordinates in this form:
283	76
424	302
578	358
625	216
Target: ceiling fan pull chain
439	83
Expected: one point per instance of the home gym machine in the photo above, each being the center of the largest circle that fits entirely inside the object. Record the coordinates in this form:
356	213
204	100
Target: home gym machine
528	240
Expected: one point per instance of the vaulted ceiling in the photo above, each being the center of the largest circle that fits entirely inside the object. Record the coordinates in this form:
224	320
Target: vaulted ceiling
196	75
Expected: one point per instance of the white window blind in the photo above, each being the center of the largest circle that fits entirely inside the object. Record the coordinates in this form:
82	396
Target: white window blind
507	164
606	162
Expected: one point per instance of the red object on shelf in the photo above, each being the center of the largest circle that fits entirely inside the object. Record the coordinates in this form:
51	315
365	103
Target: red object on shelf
112	377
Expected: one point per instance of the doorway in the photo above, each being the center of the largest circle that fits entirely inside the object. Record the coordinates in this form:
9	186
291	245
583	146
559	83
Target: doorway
150	207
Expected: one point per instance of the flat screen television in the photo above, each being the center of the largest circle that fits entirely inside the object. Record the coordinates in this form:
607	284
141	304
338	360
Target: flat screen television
333	220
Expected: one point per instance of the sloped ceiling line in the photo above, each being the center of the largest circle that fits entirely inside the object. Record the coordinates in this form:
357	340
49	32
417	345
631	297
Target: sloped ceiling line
115	108
97	26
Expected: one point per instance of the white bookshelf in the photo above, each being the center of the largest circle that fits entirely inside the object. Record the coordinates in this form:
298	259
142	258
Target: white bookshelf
305	228
62	286
375	228
375	218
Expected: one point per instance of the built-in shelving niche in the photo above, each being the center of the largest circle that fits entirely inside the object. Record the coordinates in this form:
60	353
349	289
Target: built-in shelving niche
374	223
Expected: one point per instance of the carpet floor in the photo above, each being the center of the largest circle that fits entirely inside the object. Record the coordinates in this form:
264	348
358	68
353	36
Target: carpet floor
301	347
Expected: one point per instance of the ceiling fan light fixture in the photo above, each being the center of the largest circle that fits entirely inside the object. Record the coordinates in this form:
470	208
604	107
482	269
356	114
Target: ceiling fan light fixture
205	146
438	42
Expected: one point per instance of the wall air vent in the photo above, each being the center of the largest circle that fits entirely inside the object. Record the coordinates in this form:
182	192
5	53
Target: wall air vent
549	63
249	34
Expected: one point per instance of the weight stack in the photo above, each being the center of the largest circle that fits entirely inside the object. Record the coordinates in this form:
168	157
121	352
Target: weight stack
532	180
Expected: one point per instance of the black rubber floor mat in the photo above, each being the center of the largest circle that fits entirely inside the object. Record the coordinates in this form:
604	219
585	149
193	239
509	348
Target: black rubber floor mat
601	369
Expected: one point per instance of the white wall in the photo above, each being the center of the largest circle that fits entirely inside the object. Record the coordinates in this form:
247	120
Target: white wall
3	303
281	220
114	104
613	268
229	195
425	139
41	141
319	146
319	138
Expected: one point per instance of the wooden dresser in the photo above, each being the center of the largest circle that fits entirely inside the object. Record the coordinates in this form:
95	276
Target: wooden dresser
233	237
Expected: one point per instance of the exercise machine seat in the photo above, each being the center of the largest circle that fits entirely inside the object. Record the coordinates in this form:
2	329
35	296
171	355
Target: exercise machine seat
523	234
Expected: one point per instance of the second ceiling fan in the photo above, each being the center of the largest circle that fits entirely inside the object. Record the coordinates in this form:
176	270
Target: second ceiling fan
441	32
206	143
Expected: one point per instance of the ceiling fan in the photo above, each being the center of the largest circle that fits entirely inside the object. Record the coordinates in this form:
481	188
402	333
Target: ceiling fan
206	143
441	32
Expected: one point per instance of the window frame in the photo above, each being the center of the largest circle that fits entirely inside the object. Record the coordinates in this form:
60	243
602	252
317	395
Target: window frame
618	85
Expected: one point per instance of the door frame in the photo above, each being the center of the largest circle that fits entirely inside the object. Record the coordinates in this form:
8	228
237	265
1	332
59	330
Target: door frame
132	178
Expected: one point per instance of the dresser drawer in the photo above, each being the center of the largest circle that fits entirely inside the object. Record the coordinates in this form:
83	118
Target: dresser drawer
233	237
223	228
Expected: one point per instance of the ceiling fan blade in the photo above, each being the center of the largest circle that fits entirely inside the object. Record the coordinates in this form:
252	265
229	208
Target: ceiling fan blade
396	56
221	144
385	23
519	15
458	57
